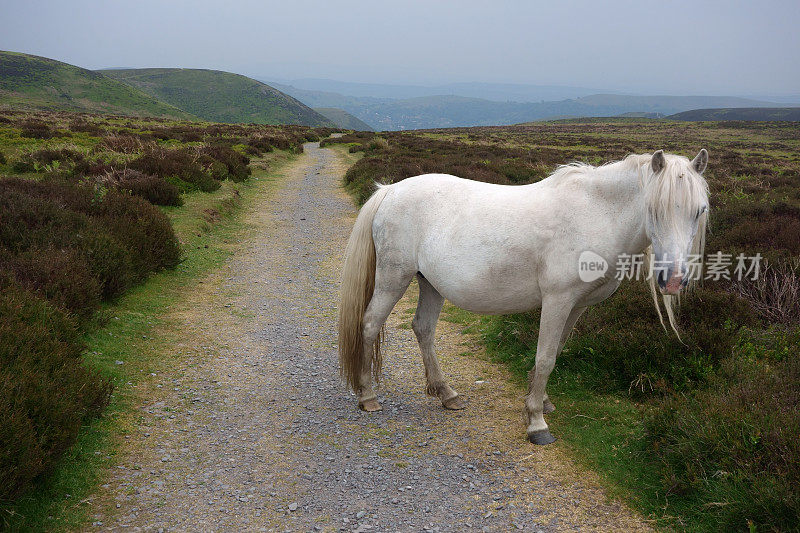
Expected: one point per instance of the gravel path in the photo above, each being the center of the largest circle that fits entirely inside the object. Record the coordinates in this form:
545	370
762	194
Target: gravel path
253	430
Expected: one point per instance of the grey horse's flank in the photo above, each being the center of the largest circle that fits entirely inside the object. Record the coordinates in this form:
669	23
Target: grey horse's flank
496	249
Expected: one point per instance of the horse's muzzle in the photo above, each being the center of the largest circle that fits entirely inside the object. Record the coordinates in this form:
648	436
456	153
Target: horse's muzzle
671	281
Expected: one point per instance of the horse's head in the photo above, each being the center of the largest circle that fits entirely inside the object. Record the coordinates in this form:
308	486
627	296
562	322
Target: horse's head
676	199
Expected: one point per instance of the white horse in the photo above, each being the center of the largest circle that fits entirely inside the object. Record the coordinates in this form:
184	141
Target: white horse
498	249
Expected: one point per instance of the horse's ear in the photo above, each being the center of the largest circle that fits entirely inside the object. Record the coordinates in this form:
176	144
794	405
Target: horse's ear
700	162
658	162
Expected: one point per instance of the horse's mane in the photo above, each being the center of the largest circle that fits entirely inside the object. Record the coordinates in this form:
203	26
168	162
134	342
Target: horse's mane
577	168
676	186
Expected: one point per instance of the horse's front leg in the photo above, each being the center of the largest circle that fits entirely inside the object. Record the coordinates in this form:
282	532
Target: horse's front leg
568	327
555	315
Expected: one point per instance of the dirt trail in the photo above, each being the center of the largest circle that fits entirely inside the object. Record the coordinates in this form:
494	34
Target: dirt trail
254	432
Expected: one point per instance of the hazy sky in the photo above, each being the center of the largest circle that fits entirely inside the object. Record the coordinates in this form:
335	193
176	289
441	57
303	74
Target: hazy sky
660	47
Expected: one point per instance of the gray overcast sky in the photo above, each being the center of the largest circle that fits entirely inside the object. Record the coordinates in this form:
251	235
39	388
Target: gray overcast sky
680	47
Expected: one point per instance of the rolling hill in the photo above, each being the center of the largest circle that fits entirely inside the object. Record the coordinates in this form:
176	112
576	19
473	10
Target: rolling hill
498	92
343	119
443	111
220	96
744	113
33	82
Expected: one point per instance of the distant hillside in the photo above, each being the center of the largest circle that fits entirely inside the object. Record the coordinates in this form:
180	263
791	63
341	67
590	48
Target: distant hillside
667	104
445	111
220	96
343	119
744	113
34	82
641	114
498	92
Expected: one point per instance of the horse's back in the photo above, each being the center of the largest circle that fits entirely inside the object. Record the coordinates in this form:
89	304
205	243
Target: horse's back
477	243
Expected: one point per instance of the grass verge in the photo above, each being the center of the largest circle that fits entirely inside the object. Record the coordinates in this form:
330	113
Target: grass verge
129	343
602	432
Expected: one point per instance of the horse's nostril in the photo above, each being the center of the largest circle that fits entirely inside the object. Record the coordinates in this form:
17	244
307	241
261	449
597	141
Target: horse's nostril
662	278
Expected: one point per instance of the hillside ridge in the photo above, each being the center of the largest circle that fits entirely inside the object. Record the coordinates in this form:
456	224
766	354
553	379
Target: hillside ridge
220	96
34	82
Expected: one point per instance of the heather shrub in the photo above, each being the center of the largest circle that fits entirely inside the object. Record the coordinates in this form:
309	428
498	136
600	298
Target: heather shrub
61	276
37	130
251	150
23	164
281	142
45	391
40	214
235	163
258	144
122	143
90	168
734	444
109	261
155	190
122	237
378	143
141	228
47	156
181	132
83	126
64	162
180	166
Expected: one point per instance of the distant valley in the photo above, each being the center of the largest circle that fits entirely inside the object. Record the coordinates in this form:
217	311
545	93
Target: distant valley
458	110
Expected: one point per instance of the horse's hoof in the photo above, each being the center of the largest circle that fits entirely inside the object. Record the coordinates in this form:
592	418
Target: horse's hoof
455	403
370	405
548	407
541	437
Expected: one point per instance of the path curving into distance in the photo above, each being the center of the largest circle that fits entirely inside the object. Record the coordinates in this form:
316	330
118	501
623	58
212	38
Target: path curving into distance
253	430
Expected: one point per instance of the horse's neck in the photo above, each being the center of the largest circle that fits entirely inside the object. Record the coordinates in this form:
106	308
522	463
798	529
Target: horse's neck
619	189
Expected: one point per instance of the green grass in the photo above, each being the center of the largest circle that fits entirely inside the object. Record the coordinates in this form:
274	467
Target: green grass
133	330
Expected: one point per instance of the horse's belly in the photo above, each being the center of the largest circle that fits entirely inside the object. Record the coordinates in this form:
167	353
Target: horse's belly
488	297
496	306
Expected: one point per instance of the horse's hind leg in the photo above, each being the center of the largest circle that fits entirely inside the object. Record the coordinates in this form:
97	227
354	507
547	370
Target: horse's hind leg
424	325
389	288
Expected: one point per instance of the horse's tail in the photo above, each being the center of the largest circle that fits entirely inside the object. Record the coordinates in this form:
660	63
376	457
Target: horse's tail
358	283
